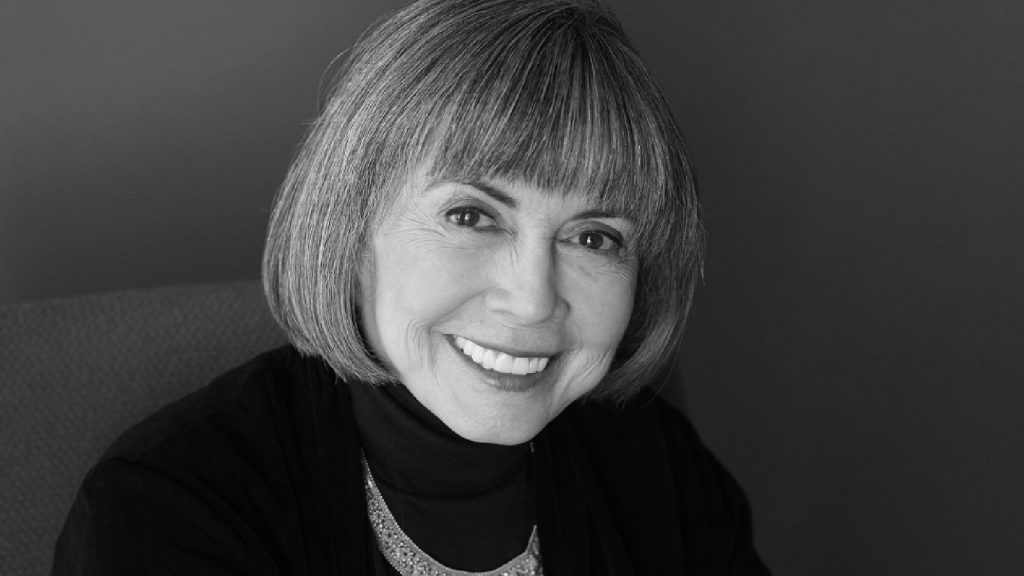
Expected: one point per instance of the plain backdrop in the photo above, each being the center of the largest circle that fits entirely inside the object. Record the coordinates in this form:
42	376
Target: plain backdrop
855	352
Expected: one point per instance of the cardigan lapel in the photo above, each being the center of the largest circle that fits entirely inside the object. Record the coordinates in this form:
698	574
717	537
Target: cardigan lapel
576	530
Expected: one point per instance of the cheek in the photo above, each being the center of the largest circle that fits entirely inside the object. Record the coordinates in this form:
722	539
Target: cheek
603	310
416	290
602	307
418	285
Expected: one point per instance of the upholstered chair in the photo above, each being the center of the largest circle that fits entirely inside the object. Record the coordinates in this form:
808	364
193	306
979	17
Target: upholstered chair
76	372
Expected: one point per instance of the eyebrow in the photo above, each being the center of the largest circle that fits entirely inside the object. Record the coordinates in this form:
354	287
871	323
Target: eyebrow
598	213
492	191
505	198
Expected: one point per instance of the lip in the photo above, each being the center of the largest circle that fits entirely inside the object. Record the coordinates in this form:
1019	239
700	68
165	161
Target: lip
500	380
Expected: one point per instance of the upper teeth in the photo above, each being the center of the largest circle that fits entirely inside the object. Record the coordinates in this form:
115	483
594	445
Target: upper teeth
499	361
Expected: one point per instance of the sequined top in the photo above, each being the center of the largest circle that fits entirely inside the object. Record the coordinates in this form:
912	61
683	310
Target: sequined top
409	560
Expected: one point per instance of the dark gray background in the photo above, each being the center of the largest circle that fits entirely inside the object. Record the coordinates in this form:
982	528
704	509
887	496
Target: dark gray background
855	355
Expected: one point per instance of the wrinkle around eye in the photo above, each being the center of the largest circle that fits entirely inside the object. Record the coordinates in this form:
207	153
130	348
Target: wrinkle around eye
597	263
419	229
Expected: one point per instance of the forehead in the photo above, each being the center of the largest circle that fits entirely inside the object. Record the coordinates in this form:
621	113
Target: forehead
514	193
505	185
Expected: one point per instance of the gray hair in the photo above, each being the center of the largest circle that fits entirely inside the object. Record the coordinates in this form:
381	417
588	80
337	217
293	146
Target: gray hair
547	92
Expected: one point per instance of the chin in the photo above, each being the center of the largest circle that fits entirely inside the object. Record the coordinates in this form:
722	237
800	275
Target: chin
503	435
490	407
489	414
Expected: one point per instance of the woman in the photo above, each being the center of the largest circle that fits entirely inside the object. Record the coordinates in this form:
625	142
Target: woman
483	256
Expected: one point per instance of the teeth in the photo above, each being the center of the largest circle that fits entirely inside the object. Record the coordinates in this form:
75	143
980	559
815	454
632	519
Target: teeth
521	366
489	359
504	363
500	361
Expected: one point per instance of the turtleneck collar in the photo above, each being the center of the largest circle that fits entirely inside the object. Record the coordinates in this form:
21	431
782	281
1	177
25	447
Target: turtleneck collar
413	451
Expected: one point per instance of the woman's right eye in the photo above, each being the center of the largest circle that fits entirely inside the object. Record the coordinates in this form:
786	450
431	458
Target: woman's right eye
469	217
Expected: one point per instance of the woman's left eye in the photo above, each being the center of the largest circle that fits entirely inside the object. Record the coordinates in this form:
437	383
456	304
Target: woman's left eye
598	241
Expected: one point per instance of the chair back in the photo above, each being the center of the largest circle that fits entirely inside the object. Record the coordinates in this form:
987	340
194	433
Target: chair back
76	372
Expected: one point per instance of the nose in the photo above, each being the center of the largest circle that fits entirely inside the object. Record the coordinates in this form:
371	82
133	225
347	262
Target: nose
525	288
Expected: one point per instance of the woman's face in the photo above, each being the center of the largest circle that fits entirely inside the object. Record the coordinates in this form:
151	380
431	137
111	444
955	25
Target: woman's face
497	304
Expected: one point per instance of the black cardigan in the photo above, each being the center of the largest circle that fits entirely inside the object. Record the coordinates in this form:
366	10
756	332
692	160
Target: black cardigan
260	473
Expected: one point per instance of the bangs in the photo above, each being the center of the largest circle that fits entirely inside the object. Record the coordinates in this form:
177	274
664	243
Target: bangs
552	103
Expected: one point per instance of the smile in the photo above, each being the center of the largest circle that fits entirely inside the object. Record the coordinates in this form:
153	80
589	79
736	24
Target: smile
500	361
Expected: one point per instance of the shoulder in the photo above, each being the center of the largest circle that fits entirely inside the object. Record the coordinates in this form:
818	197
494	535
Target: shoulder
657	471
248	436
647	433
643	425
233	476
196	484
234	408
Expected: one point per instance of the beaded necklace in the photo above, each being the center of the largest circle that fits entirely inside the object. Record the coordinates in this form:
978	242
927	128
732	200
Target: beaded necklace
409	560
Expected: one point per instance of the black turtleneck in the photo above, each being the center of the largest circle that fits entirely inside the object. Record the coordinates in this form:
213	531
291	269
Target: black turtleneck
467	504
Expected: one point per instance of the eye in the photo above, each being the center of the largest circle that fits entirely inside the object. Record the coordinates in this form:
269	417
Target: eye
598	241
469	217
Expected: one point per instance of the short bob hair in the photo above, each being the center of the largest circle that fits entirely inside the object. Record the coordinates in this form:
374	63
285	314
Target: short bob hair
546	92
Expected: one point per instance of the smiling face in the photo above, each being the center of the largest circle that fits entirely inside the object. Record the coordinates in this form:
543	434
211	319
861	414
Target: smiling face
495	303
